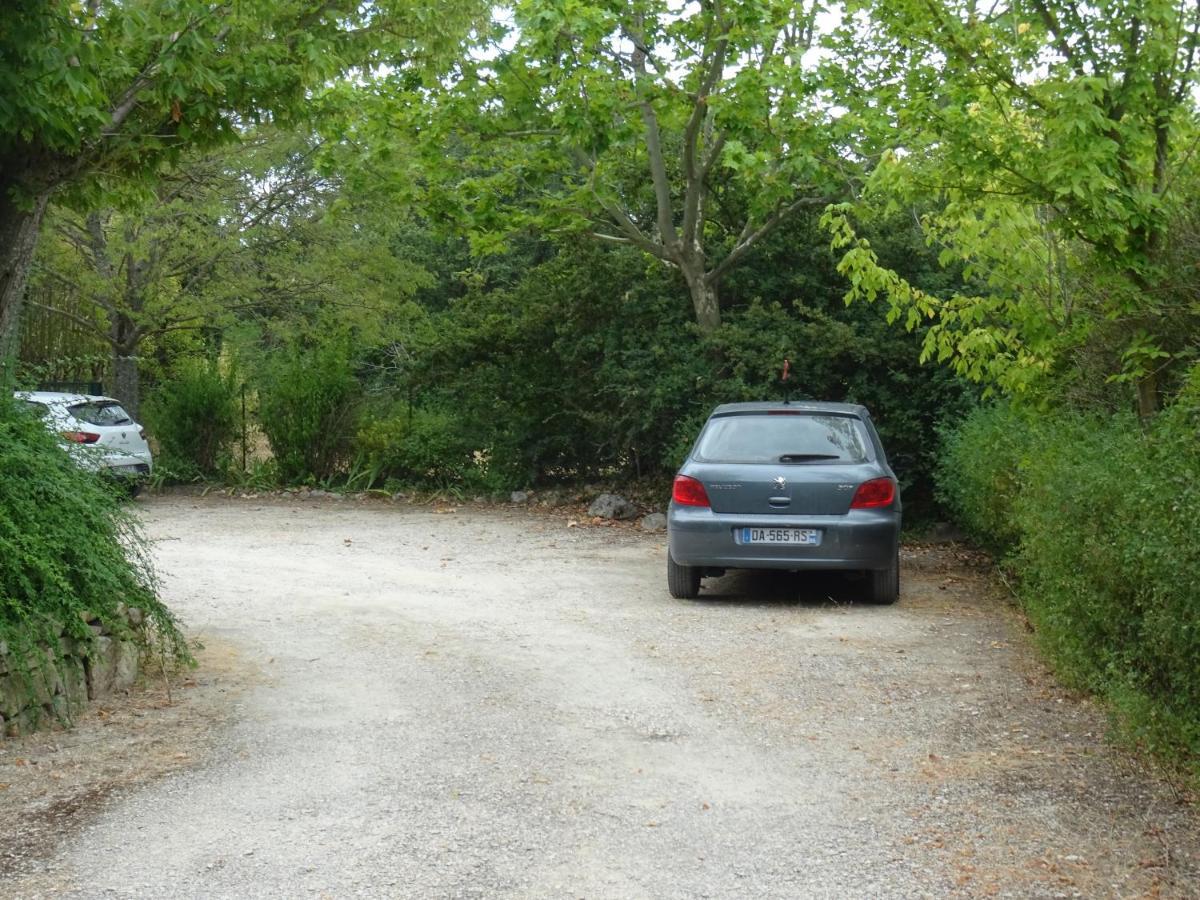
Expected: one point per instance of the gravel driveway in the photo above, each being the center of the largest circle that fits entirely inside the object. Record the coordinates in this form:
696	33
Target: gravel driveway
484	702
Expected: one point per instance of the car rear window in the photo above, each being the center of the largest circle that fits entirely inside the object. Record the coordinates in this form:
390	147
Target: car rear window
798	438
100	413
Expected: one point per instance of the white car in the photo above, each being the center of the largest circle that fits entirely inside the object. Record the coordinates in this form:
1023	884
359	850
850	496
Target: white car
98	432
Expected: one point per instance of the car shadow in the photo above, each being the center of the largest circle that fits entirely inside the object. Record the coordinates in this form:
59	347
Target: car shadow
778	588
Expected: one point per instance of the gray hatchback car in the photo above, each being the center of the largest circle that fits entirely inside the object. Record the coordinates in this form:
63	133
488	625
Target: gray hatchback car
788	485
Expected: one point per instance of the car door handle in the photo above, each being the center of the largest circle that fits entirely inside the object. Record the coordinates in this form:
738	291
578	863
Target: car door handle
780	501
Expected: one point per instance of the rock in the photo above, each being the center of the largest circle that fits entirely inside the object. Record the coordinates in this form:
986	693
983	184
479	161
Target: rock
13	697
128	658
135	616
518	497
611	506
654	522
112	667
74	695
318	493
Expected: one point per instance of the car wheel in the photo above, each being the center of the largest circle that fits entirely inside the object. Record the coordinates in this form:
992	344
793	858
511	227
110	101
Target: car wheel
885	583
682	581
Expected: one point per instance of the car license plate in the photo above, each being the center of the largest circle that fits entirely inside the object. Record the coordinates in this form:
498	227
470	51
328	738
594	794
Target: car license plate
797	537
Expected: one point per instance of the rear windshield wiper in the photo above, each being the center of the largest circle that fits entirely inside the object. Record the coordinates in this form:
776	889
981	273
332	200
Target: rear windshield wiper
807	457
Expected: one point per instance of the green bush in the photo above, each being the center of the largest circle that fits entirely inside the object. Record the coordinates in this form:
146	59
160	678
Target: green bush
590	366
309	402
1099	518
427	447
195	416
979	468
66	546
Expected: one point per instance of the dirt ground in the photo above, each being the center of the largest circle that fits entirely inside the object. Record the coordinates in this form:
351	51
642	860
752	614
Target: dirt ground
466	701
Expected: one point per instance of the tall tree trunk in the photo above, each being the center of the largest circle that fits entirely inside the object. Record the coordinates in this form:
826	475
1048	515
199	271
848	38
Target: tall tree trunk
1147	397
706	300
19	227
127	385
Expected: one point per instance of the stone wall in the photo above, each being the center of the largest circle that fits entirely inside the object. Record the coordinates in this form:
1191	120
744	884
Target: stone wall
55	683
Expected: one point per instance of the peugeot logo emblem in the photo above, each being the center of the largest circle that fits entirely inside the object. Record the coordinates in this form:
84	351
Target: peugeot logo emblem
780	483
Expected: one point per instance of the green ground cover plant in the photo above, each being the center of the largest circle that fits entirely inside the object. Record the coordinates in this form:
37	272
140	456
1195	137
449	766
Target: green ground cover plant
67	548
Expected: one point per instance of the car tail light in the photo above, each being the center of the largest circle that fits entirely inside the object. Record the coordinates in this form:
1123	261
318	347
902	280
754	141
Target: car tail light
873	493
689	492
81	437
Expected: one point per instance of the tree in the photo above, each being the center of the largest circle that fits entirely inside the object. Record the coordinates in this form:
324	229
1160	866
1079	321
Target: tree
99	94
1049	148
226	235
689	133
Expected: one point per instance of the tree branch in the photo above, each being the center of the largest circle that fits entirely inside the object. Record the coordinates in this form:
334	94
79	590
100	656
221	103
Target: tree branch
125	104
694	171
654	153
750	238
1060	41
73	317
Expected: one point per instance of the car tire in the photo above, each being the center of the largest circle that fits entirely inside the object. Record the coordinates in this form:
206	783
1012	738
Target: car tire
885	583
682	581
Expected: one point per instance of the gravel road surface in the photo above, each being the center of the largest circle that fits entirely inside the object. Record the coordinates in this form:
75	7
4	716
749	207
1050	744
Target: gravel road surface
480	702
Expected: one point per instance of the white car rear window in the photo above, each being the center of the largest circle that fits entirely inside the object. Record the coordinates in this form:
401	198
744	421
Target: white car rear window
101	413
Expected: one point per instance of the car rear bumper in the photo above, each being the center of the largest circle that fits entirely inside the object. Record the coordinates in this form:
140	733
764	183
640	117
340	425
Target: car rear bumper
127	469
121	464
861	539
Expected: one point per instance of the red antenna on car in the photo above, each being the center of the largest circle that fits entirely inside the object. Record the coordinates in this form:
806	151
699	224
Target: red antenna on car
783	378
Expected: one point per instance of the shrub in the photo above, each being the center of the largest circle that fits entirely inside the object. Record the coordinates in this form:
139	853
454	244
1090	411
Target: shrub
978	472
590	366
66	546
308	405
1099	520
195	417
427	447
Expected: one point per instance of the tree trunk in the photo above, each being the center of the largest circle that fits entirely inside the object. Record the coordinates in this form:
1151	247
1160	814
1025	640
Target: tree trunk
706	301
127	385
1147	397
19	227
